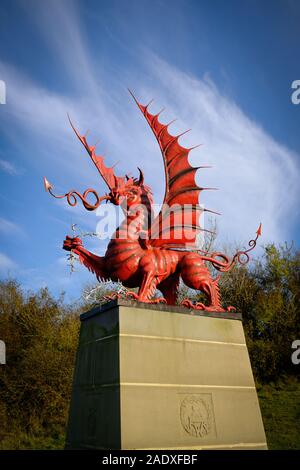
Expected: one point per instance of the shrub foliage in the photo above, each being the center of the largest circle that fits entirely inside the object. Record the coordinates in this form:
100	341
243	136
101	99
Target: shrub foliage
41	336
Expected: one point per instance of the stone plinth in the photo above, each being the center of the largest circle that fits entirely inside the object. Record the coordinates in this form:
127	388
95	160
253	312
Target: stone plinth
161	377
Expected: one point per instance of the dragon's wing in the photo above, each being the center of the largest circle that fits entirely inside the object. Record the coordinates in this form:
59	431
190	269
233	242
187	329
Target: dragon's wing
177	224
107	173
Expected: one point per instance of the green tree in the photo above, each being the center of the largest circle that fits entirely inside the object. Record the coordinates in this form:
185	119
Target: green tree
41	337
268	295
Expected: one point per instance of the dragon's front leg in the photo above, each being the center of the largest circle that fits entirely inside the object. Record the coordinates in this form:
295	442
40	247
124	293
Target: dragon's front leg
150	280
91	261
147	290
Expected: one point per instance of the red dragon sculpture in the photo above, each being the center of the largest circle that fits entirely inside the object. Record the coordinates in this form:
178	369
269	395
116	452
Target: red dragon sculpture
155	252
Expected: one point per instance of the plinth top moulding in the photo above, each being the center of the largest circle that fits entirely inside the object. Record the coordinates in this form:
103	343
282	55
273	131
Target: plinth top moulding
153	252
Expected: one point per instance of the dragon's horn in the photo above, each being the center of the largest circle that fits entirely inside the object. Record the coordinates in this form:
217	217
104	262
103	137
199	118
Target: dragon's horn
141	178
107	173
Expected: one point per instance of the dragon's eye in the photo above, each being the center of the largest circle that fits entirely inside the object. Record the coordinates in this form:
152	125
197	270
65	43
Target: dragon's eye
131	194
134	191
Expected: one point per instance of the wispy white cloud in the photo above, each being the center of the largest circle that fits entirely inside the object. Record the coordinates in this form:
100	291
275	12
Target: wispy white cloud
6	264
8	228
8	167
67	35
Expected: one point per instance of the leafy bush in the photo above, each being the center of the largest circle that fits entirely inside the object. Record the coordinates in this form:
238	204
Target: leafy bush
268	295
41	337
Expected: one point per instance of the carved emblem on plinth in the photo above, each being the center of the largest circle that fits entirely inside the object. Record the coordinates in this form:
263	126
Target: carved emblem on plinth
196	415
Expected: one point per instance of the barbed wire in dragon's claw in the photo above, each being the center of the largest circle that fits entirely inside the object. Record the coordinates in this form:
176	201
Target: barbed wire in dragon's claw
72	257
96	295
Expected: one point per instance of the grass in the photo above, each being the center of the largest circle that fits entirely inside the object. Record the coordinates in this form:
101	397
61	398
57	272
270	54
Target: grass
280	407
23	441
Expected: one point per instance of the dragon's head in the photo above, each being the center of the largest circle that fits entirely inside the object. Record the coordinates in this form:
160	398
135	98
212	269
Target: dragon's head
128	193
123	191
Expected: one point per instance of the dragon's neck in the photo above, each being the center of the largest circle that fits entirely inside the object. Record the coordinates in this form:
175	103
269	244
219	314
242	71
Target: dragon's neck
138	218
136	221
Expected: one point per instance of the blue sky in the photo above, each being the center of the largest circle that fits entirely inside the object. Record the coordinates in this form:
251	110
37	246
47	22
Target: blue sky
224	69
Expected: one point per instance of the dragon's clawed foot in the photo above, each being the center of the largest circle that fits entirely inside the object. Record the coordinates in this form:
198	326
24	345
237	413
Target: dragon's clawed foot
231	309
71	243
159	300
135	296
132	295
187	303
195	306
200	306
112	296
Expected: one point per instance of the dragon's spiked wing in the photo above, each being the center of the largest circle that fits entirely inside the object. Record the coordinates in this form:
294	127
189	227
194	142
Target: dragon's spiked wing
107	173
177	224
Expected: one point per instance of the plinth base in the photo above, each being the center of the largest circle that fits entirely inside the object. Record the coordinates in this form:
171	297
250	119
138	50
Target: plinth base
161	377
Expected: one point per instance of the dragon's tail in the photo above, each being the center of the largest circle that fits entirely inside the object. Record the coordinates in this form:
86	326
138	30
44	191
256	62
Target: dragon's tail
224	263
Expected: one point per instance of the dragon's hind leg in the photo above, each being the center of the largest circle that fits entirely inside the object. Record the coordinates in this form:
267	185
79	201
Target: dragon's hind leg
210	288
195	275
169	288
